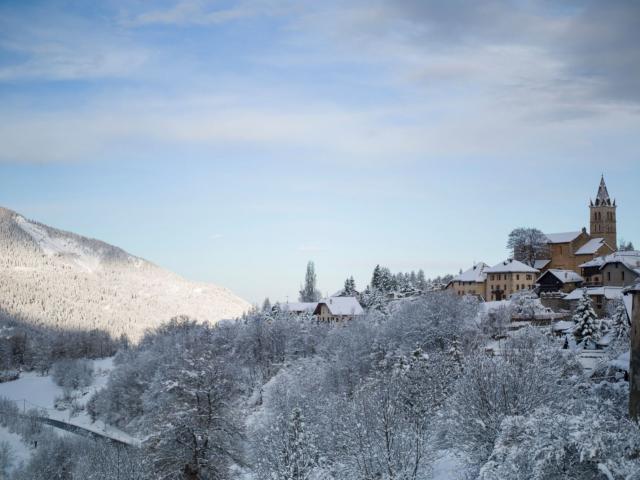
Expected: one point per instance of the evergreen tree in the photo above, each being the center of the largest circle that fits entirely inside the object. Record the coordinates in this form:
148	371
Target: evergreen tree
266	305
349	289
587	327
621	324
309	292
376	279
421	282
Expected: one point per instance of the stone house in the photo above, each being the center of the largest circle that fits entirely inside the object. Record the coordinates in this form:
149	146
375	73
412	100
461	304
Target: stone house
470	282
509	277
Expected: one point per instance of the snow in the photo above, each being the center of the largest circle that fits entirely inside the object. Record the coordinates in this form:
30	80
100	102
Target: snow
591	247
474	274
342	305
566	276
564	237
62	246
511	265
621	362
448	467
540	264
630	259
20	451
298	307
563	325
32	390
610	293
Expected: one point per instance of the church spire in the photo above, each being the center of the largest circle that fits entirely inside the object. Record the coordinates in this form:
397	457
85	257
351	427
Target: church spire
603	195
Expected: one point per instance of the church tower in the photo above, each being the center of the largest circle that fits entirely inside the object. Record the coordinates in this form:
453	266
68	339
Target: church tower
603	216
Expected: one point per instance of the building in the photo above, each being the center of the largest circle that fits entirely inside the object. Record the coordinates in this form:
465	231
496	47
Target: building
603	216
470	282
568	250
600	296
559	281
618	269
509	277
299	307
337	309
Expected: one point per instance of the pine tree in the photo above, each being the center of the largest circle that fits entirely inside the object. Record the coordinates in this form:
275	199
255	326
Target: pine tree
587	327
376	279
349	287
621	324
266	305
421	281
309	292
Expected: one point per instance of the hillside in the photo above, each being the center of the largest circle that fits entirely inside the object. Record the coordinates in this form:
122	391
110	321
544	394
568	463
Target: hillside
57	278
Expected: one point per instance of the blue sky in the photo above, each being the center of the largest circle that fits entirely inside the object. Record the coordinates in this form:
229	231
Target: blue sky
233	141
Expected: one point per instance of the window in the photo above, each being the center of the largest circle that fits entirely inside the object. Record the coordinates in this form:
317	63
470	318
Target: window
518	277
528	277
608	276
622	275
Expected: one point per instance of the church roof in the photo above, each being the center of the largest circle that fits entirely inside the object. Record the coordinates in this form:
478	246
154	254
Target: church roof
564	237
591	247
603	199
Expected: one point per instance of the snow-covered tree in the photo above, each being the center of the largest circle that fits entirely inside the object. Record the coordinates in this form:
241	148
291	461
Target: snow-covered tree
266	305
620	322
528	245
625	246
309	291
587	329
349	289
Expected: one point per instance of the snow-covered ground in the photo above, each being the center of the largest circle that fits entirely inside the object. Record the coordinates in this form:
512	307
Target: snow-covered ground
20	453
32	390
447	467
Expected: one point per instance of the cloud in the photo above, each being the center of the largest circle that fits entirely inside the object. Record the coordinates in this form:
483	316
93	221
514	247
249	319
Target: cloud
203	12
215	236
55	46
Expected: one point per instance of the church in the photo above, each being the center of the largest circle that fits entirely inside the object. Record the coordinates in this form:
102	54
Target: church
569	250
563	268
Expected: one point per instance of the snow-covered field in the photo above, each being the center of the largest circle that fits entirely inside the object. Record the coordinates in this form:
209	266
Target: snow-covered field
32	390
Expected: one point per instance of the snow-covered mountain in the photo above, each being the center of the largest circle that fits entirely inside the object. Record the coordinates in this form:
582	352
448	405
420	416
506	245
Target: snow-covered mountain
58	278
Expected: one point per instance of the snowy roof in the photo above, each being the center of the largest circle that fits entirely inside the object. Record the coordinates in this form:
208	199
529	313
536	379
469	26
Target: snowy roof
565	276
630	258
474	274
610	293
540	264
511	265
341	306
299	307
591	247
563	325
564	237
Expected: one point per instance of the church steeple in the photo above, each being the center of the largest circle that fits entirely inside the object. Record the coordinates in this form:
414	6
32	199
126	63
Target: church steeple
603	195
603	216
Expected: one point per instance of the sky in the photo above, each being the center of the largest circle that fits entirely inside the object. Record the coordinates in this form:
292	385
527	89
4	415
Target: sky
232	142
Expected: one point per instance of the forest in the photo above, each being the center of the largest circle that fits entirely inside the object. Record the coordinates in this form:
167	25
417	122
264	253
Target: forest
280	396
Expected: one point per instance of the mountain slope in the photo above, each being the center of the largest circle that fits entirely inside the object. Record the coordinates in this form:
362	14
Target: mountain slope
58	278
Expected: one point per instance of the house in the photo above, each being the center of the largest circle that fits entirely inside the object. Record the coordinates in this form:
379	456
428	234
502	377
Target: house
632	302
470	282
555	280
508	277
337	309
600	296
299	307
618	269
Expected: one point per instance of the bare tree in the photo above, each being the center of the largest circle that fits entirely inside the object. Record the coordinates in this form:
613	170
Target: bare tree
528	245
